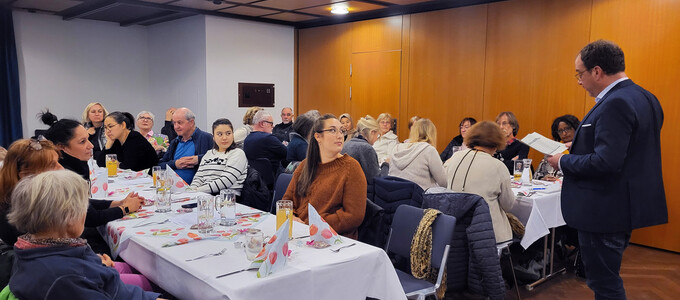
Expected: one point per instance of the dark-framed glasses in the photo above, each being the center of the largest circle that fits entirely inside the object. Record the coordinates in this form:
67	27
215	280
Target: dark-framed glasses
335	131
564	130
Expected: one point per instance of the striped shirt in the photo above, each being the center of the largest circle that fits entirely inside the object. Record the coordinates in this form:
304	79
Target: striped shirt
219	171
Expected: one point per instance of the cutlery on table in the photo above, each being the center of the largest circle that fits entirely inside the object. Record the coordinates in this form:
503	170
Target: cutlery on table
209	255
237	271
149	223
336	250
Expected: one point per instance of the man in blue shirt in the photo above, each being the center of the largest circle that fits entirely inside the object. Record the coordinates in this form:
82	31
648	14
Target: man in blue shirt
186	150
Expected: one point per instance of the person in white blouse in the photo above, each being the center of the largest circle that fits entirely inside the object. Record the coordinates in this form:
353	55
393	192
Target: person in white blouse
387	139
223	167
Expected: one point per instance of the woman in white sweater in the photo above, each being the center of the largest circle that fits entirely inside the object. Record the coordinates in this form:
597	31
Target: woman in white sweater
387	140
418	160
224	166
476	171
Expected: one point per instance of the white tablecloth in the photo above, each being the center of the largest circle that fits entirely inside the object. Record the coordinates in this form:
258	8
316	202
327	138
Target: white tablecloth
538	213
353	273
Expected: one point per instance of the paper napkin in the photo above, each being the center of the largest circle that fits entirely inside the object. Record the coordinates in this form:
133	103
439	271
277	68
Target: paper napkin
179	185
274	255
99	184
92	165
319	230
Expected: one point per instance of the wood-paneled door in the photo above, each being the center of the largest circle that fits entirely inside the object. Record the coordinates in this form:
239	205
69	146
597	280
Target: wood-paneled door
375	83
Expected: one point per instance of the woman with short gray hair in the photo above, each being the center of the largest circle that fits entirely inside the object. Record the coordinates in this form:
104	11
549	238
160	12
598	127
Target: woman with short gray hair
52	261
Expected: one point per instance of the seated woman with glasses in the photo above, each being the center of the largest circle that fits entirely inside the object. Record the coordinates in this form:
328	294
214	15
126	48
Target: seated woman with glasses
563	129
331	182
476	171
418	160
224	166
133	150
456	144
52	261
145	121
387	139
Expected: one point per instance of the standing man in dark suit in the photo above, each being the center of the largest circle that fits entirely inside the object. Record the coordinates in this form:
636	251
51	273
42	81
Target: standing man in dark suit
612	176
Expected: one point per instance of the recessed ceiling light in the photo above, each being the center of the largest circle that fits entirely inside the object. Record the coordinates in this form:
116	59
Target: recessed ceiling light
339	9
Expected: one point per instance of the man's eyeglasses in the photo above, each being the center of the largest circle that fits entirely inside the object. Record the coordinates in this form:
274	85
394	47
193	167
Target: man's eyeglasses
146	118
564	130
270	122
579	75
335	131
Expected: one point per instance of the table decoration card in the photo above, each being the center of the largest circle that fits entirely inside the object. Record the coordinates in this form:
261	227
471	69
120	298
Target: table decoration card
99	184
274	255
319	230
179	185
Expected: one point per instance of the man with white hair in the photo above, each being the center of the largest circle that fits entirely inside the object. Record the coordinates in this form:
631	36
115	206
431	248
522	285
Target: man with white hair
282	130
187	149
262	144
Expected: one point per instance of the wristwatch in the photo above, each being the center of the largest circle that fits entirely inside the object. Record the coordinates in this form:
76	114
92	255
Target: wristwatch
126	209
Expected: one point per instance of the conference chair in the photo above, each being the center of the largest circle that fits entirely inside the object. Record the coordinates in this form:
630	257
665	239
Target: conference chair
406	221
264	167
280	188
504	251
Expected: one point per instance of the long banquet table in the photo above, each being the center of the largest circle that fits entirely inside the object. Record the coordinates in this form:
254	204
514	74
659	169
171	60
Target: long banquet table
353	273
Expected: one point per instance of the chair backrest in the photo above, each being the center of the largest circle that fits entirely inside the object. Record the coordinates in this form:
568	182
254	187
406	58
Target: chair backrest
280	188
255	192
264	167
406	221
371	230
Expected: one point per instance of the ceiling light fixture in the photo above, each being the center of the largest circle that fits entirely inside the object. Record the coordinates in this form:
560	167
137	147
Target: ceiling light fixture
339	9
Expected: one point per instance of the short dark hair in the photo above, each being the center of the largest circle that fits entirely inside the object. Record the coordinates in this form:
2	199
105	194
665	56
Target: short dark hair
570	120
512	120
120	117
467	119
223	121
303	125
605	54
485	134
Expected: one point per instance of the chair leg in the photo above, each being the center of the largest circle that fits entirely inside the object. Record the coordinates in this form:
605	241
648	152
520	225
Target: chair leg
512	267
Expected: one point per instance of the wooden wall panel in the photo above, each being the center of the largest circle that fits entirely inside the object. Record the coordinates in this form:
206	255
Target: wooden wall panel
375	83
377	35
446	74
323	69
531	47
647	31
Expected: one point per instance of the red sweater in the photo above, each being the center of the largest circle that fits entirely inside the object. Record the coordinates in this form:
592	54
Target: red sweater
338	192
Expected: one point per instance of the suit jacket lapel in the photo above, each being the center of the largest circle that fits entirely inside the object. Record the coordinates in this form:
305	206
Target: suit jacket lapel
621	84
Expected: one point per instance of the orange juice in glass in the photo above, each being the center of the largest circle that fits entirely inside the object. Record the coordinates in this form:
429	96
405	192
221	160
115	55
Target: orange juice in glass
284	212
112	165
154	173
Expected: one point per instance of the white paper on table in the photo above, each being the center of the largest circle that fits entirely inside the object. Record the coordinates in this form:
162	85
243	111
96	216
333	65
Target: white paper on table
543	144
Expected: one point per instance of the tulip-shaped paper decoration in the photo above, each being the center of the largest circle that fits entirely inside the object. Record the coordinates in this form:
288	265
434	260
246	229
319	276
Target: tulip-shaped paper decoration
178	184
92	165
274	254
99	184
319	230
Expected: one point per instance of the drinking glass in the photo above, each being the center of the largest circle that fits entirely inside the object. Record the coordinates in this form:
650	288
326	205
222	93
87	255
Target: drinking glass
163	199
205	213
154	173
225	203
254	243
526	172
284	213
112	165
518	169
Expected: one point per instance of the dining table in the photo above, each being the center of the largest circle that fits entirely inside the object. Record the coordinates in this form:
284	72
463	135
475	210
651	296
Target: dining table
538	207
161	246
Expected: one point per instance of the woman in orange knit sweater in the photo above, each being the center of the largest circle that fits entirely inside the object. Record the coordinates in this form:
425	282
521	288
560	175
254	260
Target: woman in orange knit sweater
333	183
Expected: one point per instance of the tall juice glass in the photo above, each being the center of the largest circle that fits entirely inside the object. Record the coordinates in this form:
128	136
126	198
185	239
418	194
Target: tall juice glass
284	213
154	173
112	165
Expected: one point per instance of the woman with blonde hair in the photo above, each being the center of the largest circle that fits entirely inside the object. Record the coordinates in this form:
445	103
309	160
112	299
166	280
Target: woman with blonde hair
93	120
387	139
476	171
418	160
240	134
360	147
